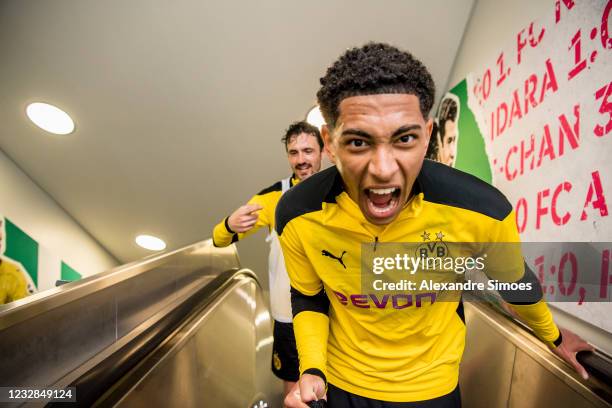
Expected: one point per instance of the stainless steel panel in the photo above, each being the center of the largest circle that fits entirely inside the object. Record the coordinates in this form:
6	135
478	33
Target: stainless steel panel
265	381
27	349
197	257
486	369
538	377
46	338
222	360
535	387
226	351
132	310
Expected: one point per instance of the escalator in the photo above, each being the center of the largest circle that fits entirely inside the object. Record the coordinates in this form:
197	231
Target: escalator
505	365
188	328
191	328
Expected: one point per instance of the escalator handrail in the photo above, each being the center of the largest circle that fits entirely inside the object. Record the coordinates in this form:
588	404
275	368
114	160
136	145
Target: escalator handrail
91	385
21	310
597	363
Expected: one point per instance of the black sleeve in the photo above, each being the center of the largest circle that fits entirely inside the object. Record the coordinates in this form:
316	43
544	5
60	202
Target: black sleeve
300	302
524	297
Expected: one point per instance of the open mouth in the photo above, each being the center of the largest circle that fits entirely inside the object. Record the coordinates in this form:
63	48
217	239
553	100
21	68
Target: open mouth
382	202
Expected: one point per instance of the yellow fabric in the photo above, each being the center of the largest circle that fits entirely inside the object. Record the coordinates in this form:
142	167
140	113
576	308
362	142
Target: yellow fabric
222	237
311	336
410	354
13	285
539	318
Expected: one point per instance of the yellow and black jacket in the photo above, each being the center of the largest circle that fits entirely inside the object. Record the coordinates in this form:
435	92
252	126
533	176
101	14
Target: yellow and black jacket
357	342
280	303
268	199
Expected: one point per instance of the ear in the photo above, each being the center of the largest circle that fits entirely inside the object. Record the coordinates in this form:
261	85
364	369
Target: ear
429	129
329	147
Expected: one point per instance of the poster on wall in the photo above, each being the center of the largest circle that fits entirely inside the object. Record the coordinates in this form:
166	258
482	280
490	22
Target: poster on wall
26	266
454	119
536	122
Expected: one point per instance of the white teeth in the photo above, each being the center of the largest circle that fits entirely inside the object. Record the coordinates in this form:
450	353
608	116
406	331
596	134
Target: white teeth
382	191
379	210
382	210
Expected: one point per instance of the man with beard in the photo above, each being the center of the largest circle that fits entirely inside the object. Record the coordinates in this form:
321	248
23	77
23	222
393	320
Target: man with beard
304	146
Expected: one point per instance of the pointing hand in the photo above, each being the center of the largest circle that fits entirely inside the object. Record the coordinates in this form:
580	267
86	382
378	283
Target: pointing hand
244	218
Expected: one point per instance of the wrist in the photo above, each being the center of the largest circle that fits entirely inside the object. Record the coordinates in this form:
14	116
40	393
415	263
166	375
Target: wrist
555	343
227	226
559	340
317	372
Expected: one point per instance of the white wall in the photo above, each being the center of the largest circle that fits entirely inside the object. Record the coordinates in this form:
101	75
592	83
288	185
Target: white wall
37	214
493	23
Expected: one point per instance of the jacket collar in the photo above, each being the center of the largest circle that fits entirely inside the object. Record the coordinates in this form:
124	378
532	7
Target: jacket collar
347	214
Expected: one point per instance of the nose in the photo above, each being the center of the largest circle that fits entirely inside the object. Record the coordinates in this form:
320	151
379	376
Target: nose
301	157
383	164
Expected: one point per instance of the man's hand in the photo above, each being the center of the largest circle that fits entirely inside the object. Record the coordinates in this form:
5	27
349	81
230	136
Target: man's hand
244	218
570	345
308	388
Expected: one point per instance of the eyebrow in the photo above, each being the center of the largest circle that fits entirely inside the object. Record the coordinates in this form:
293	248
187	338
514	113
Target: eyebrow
355	132
401	130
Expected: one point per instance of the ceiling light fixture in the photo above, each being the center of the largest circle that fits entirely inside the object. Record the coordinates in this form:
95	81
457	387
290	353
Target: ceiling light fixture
150	242
50	118
315	118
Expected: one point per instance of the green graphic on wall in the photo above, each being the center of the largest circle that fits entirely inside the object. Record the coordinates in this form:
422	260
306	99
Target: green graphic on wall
456	139
471	152
21	248
39	265
69	274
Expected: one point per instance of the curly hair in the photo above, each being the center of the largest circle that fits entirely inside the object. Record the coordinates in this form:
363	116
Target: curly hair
300	127
373	69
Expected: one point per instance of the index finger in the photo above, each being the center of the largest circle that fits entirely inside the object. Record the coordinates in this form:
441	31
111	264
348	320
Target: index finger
251	208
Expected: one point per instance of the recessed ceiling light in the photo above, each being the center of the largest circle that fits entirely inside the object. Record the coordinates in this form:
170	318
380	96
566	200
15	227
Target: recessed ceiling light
315	118
50	118
150	242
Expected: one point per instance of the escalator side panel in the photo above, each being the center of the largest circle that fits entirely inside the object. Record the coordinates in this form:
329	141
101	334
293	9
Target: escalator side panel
40	350
162	286
215	364
486	370
265	380
45	339
505	366
534	387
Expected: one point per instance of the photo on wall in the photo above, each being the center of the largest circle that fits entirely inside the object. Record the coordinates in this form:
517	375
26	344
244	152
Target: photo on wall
26	267
456	139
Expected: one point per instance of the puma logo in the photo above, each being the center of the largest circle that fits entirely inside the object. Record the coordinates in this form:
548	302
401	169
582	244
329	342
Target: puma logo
339	259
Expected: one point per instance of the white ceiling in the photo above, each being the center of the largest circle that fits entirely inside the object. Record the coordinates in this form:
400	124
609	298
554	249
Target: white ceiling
180	105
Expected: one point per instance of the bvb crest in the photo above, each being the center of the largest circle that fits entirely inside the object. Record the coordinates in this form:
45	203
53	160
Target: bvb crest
435	248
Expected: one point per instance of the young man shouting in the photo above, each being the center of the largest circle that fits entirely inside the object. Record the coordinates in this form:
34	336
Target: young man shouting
355	350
